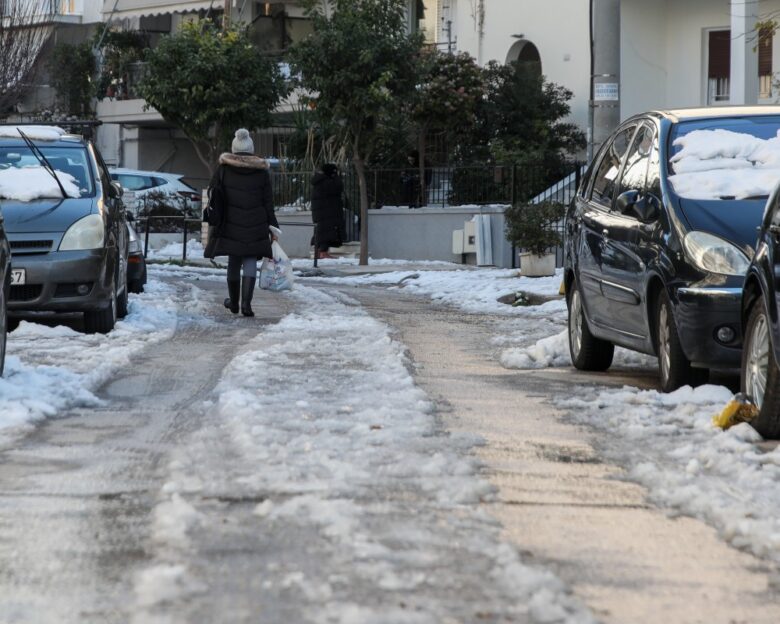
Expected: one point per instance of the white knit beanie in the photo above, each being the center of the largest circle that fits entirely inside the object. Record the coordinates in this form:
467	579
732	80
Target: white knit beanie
242	143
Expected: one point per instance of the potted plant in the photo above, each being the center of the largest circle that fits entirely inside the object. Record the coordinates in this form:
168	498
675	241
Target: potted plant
535	230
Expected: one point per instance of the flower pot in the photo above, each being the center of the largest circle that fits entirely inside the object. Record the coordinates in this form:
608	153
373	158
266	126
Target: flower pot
532	265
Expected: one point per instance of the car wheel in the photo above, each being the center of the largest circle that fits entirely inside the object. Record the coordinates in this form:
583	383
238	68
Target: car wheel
121	303
102	321
675	369
587	352
3	328
760	373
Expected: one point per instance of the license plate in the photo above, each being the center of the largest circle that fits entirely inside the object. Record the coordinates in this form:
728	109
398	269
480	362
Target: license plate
18	277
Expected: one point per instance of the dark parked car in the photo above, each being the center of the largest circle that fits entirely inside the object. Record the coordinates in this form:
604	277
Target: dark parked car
761	324
660	235
6	276
69	240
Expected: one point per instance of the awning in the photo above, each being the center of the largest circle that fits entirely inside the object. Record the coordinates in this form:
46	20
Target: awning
141	8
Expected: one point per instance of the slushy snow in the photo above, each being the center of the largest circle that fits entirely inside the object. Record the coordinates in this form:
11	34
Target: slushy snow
374	503
53	369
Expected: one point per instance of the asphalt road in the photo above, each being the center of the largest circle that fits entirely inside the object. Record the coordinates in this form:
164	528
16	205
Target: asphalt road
77	496
560	501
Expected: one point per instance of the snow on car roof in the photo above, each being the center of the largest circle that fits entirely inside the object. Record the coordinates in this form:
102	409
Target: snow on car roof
38	133
29	183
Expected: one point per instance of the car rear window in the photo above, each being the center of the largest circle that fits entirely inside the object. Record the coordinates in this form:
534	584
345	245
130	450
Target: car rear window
725	158
70	160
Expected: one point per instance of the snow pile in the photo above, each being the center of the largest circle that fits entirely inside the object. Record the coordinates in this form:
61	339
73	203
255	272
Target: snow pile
174	250
376	507
29	183
553	351
52	369
721	163
671	447
475	291
36	133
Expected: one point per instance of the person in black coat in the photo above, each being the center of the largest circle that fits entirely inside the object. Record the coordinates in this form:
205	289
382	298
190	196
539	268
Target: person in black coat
244	234
327	209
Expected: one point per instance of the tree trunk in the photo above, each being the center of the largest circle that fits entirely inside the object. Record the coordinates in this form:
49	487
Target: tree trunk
360	169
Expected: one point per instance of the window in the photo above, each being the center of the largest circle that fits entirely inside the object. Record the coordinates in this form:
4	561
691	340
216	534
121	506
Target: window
134	182
635	173
606	176
719	65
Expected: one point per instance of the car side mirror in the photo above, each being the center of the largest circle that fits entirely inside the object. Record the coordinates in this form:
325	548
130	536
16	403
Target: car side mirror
647	209
115	190
626	201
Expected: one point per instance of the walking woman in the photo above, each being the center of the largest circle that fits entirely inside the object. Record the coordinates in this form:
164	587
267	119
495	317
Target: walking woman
327	210
244	235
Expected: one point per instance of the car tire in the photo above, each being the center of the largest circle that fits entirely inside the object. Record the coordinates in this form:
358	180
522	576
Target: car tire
136	287
758	360
103	320
587	352
3	327
121	303
674	367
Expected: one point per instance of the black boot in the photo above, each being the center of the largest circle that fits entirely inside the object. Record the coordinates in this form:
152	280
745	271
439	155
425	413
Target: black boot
234	288
247	290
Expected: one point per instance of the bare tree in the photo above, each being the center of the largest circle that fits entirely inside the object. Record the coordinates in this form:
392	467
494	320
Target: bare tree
25	25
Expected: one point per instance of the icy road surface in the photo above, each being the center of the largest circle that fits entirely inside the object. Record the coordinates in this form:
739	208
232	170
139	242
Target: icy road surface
357	454
282	469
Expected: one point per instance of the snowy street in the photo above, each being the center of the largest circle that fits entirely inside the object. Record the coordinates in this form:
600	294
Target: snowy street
398	447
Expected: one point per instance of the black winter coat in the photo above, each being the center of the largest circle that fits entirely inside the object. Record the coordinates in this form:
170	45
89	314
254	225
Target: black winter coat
249	206
327	210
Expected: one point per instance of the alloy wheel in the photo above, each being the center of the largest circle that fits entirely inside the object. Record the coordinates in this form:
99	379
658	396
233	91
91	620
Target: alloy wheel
664	347
757	367
575	323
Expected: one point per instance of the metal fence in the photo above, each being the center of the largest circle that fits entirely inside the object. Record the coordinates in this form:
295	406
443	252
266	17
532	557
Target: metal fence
444	186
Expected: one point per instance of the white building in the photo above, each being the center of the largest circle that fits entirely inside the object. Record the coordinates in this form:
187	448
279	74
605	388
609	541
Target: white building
673	53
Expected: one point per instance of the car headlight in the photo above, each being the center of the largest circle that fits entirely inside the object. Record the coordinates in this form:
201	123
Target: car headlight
714	254
86	233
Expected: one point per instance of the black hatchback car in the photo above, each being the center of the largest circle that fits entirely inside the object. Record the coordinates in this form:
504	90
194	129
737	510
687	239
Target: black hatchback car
660	235
66	225
761	324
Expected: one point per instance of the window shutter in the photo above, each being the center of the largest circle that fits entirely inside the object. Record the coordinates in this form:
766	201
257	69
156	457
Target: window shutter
765	53
719	65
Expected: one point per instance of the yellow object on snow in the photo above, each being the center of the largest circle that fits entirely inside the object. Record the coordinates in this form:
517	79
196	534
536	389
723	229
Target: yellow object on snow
738	410
562	289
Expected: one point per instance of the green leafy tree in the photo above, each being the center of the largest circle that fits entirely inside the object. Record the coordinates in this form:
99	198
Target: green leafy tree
521	121
71	68
208	82
448	90
356	65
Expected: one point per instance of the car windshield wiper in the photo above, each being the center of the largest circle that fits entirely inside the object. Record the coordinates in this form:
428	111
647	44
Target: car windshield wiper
43	160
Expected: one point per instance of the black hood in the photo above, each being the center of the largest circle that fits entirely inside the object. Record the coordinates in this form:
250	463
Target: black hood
44	215
736	220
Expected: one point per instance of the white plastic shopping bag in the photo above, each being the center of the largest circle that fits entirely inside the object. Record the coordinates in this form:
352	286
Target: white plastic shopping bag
276	273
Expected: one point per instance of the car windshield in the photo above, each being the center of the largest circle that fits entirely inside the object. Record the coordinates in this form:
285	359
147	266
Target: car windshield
68	160
725	158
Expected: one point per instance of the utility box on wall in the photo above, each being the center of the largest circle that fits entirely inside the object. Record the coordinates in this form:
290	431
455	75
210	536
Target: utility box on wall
465	241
